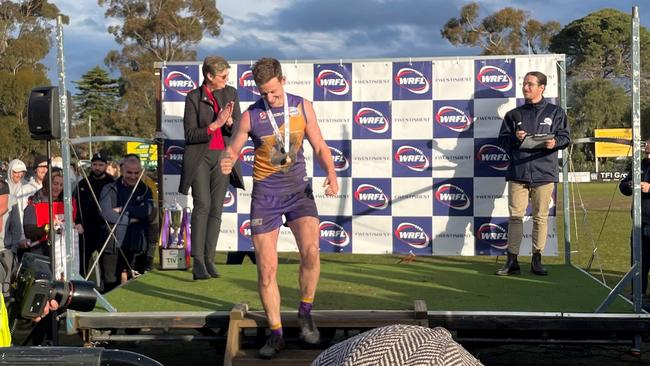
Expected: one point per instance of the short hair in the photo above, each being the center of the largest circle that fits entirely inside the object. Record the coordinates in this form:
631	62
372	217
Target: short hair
266	69
131	159
213	65
541	78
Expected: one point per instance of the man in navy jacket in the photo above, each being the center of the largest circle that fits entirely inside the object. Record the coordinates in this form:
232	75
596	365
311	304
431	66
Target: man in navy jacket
130	212
533	170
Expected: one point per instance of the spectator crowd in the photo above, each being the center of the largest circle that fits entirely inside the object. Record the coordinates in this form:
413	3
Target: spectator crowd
113	208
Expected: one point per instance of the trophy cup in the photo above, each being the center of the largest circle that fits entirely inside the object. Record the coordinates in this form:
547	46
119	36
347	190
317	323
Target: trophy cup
176	220
173	238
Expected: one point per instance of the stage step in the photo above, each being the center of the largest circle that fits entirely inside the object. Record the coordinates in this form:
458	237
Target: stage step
241	318
293	357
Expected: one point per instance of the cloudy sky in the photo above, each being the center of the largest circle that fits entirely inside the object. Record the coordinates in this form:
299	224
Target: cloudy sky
316	29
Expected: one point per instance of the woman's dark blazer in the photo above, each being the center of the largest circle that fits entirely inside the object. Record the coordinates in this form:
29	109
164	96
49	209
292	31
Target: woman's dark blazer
199	113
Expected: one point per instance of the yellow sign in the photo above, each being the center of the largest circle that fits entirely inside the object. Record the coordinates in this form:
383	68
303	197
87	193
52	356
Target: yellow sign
148	153
610	149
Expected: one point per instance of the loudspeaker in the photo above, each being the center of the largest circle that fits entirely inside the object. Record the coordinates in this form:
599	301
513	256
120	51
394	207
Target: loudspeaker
43	113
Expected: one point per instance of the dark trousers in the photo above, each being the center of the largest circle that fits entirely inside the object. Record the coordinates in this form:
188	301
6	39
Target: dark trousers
208	192
146	259
238	257
91	241
645	257
112	266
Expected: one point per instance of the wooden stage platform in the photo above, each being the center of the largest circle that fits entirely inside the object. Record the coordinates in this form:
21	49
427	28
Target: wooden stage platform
461	295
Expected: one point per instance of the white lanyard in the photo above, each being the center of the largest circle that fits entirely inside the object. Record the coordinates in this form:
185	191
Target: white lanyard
286	143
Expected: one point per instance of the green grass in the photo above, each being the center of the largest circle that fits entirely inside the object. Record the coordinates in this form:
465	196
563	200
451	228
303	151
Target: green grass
460	286
444	283
608	234
355	281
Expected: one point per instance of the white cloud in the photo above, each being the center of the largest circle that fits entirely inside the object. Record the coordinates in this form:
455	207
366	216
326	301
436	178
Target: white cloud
315	29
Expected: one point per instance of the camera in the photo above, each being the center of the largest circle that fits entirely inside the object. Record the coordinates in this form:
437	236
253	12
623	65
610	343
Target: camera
35	287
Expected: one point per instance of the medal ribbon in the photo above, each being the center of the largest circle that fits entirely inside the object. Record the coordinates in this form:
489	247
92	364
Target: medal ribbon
286	141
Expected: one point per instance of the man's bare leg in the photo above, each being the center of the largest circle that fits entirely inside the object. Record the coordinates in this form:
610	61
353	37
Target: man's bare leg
267	285
267	267
305	230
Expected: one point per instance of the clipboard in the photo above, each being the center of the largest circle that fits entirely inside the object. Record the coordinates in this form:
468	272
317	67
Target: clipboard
536	141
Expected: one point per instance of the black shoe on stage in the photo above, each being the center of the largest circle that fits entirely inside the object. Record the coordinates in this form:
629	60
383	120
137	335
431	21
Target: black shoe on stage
536	265
511	267
274	344
308	331
212	271
198	270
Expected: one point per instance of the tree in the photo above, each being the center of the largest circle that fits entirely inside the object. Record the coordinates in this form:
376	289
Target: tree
599	45
598	50
153	31
507	31
595	104
98	95
588	111
25	28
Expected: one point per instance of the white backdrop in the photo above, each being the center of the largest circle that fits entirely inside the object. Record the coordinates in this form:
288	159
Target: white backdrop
413	142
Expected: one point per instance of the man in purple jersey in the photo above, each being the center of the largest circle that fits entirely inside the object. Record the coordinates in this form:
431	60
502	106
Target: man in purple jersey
278	123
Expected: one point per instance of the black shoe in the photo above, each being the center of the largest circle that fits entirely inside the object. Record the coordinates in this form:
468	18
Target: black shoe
511	267
198	270
536	265
274	344
149	266
308	331
212	271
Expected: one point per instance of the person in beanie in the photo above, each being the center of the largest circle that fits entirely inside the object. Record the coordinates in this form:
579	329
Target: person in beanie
40	169
88	194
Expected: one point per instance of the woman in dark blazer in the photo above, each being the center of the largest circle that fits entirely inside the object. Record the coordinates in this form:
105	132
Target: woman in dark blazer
212	113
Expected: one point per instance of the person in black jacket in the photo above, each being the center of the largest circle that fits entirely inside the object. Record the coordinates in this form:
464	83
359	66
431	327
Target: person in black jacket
533	171
88	194
626	187
212	112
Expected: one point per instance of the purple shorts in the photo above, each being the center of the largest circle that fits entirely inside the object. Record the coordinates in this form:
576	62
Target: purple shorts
267	210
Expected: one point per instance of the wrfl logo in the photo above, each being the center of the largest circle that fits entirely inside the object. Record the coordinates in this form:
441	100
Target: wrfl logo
452	196
371	196
247	155
340	161
494	156
334	234
494	234
495	78
412	80
412	158
412	235
453	118
372	120
180	82
333	82
247	82
229	199
174	153
245	228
